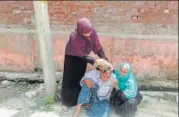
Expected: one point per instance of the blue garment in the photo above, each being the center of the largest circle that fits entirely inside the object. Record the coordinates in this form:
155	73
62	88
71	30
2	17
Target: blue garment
99	108
127	84
104	87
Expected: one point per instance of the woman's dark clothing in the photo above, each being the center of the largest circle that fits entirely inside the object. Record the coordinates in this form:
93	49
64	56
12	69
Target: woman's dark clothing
77	50
78	45
123	106
74	69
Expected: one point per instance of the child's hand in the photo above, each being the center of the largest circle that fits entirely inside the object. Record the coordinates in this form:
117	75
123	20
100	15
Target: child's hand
89	83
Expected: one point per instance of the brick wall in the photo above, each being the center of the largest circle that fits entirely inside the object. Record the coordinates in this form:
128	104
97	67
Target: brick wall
105	15
112	12
142	32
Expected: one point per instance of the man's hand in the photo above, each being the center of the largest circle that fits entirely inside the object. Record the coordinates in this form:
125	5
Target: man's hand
89	83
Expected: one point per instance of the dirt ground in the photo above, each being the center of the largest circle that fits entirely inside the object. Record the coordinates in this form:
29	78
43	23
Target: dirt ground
27	100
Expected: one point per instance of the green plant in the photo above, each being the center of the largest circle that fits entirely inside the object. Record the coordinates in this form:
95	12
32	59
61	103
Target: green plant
49	100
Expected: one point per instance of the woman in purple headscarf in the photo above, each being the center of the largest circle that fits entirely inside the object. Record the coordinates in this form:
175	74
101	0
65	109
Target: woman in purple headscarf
81	42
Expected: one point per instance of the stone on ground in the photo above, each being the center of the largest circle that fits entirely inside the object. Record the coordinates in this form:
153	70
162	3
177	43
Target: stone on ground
6	82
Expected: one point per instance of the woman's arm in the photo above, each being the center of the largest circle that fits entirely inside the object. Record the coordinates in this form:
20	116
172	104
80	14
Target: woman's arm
115	83
101	54
88	59
97	48
131	89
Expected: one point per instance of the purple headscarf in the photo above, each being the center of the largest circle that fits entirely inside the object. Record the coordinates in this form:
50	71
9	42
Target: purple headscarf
79	45
84	26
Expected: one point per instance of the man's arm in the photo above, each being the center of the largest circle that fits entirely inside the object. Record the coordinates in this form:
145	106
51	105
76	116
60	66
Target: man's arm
89	83
89	78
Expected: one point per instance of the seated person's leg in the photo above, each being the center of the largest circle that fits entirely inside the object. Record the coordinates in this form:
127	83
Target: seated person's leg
99	109
82	99
77	111
84	95
130	106
139	98
117	96
123	106
127	109
121	96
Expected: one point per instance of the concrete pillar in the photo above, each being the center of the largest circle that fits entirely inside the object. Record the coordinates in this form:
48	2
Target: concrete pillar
45	44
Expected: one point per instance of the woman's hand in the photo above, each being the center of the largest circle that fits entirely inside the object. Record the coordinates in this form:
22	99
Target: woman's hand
115	83
103	65
89	83
99	63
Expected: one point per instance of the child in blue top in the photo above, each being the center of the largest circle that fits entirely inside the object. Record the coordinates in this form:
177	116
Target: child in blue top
125	100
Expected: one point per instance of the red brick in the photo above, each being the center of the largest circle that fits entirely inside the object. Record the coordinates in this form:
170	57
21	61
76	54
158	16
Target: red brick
16	53
107	44
59	43
152	8
59	50
149	10
147	57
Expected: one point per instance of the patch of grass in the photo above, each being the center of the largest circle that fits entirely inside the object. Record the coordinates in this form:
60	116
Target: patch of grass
49	100
46	103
